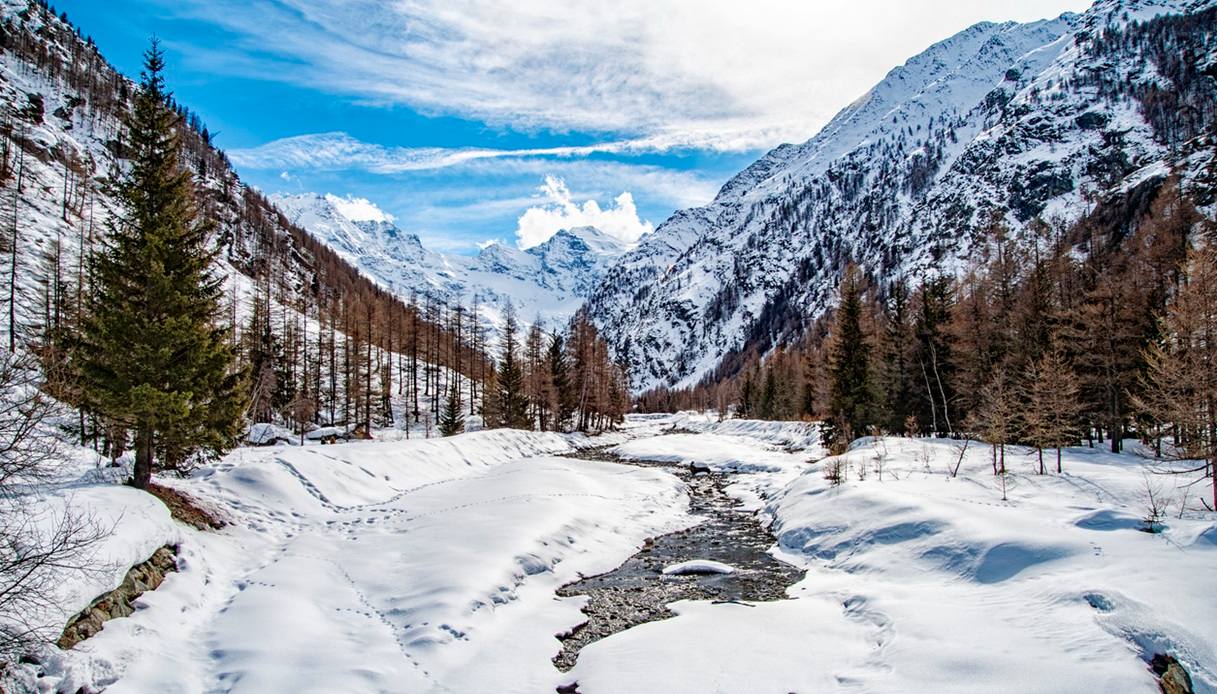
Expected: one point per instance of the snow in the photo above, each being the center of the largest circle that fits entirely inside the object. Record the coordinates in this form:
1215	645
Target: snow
133	526
359	209
718	453
698	566
920	582
372	566
431	565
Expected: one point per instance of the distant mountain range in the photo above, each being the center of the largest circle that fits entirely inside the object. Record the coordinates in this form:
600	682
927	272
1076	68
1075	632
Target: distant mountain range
550	280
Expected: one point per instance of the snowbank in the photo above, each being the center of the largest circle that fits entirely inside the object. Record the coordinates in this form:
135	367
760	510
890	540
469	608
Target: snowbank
919	582
719	453
970	588
379	566
698	566
794	436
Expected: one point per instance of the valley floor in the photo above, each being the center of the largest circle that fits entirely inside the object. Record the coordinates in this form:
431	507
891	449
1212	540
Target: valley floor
433	566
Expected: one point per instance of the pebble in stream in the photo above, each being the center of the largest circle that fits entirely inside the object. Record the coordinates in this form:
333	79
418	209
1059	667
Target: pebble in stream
637	591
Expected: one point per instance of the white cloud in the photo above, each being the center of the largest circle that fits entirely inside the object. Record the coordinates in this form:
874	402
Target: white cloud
358	209
719	73
560	211
339	151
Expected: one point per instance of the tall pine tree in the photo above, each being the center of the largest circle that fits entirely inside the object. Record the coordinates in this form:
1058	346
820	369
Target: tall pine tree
452	417
851	399
562	395
513	400
154	359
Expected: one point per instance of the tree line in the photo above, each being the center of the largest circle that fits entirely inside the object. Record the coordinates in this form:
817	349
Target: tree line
1053	334
555	381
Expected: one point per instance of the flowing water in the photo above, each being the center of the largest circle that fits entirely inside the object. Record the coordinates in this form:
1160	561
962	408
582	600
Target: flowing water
637	591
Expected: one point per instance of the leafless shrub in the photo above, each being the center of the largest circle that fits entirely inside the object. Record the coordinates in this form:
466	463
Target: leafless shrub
879	456
1156	504
835	470
26	449
39	549
925	456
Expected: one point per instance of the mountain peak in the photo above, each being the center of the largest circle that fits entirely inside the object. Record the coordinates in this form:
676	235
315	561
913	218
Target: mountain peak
589	237
1008	119
358	209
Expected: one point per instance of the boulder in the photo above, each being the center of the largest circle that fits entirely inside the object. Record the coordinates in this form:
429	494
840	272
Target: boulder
1172	678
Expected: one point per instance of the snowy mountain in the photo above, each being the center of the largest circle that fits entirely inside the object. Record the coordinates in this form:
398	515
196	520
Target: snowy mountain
62	138
550	280
1021	121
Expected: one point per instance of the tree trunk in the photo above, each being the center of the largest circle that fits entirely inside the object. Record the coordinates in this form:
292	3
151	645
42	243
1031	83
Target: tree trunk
142	475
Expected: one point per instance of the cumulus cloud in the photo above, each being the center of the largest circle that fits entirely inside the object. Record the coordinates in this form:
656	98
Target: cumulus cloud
560	211
358	209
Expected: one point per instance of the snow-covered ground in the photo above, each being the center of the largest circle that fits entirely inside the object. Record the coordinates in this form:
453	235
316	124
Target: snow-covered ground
432	565
920	582
375	566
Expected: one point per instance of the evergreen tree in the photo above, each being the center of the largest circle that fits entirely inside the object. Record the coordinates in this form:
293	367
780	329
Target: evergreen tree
933	363
769	395
154	359
851	401
270	382
747	395
513	400
562	396
895	371
452	417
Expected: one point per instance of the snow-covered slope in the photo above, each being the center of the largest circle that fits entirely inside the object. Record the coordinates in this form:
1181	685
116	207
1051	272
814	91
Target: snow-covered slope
550	280
1021	120
60	141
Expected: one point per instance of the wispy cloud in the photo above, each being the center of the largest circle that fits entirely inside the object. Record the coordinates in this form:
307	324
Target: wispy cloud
719	73
341	152
337	151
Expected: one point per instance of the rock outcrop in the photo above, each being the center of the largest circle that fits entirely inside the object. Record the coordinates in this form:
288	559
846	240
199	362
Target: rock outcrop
117	603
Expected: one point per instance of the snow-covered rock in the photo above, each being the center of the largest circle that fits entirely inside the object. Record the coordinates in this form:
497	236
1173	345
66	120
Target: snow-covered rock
698	566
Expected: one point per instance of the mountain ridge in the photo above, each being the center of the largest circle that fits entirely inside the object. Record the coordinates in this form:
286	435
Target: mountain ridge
991	121
549	280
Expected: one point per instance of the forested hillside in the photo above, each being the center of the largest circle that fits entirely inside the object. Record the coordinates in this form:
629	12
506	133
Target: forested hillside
1010	128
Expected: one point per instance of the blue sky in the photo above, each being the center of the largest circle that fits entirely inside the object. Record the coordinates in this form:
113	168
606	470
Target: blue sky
470	120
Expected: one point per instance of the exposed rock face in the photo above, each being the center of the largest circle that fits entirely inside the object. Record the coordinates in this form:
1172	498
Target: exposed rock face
1172	678
117	603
